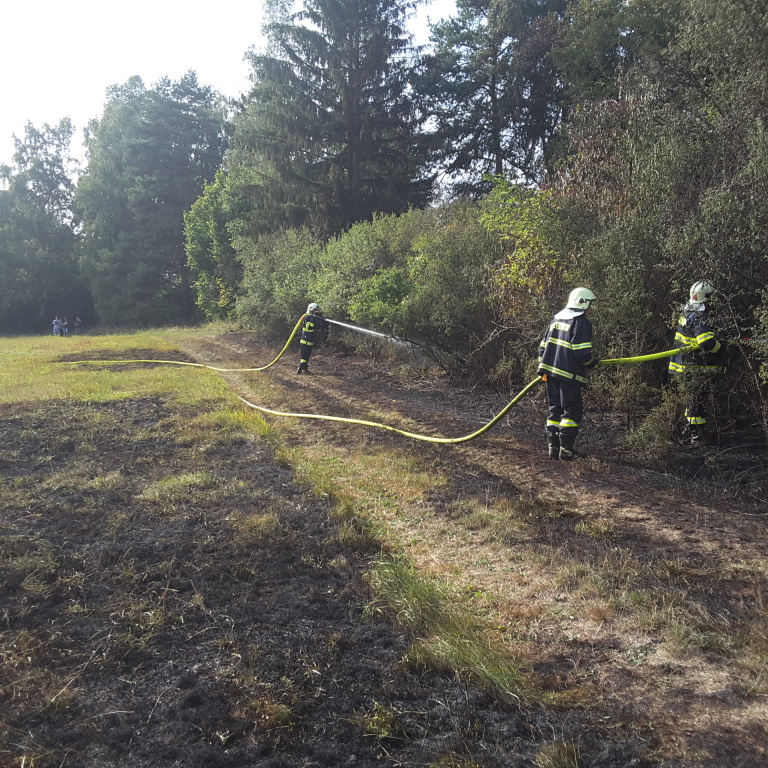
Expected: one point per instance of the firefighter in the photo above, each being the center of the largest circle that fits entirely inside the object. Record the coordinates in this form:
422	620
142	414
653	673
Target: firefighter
565	356
314	330
696	371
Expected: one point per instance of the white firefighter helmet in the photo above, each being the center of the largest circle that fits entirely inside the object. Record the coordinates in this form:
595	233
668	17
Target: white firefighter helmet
312	307
702	291
580	299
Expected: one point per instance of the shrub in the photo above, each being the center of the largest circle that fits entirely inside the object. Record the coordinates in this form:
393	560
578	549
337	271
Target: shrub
278	270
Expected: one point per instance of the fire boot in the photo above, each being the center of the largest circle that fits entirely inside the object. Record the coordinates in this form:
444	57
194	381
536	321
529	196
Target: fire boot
567	440
553	443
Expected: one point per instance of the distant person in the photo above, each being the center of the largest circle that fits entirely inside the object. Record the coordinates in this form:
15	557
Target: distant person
58	326
78	324
64	326
565	356
314	331
697	371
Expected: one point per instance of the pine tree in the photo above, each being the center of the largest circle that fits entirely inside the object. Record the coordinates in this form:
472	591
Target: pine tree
493	90
330	132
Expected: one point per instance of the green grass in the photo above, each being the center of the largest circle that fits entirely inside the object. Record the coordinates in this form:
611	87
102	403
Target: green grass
32	369
450	637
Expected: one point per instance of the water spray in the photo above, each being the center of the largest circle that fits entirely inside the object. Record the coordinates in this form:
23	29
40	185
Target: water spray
386	336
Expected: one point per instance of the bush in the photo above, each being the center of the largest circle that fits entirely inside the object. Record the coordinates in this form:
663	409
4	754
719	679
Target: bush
422	276
357	256
278	270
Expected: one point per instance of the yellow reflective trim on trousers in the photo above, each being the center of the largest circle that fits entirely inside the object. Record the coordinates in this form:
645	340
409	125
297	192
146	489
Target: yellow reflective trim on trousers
568	423
677	368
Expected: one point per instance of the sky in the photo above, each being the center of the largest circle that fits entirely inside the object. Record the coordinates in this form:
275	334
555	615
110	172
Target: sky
57	59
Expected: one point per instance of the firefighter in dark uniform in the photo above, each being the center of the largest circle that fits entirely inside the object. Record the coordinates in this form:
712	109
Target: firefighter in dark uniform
314	331
565	356
697	370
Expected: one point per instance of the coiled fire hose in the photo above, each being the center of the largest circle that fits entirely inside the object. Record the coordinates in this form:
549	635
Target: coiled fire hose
413	435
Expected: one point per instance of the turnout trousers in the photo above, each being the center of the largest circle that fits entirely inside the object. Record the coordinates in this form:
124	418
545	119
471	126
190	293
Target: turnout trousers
306	351
699	387
566	408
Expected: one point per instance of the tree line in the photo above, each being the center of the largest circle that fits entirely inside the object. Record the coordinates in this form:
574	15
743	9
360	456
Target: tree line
451	195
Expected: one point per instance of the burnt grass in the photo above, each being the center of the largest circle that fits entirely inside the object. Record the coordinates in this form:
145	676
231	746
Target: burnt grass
171	595
221	625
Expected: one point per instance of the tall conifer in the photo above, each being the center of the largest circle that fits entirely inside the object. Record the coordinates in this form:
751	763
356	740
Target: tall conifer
330	133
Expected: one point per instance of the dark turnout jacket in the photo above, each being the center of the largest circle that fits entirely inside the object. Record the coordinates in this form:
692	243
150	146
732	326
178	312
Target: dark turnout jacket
314	329
694	326
566	351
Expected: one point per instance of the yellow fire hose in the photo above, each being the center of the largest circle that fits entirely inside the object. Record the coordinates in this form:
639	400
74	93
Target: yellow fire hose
202	365
500	415
495	420
414	435
646	358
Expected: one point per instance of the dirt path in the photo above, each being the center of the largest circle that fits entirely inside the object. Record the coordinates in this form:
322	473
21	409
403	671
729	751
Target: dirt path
680	679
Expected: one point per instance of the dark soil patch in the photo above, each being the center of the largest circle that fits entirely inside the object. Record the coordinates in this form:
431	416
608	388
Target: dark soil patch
692	521
164	628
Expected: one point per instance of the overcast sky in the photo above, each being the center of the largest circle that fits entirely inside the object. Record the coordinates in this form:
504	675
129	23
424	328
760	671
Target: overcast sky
58	57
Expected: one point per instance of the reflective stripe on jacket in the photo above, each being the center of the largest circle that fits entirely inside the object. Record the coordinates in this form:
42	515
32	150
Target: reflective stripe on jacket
694	327
565	351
